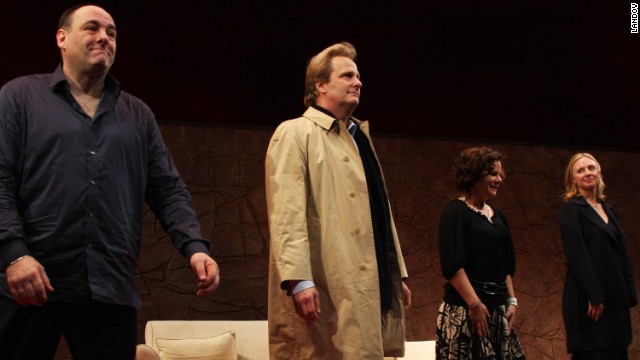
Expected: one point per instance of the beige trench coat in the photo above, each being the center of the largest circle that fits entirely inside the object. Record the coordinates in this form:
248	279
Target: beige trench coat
320	227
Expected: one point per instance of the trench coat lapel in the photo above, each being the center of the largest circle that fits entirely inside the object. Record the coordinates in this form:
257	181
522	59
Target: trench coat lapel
330	124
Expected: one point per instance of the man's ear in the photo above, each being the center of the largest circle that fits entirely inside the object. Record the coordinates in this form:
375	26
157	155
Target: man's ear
61	38
321	87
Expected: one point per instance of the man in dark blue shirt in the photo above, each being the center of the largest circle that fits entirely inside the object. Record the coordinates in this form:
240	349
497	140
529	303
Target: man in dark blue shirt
78	160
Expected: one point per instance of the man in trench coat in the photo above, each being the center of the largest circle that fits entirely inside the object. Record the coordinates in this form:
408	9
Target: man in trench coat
336	287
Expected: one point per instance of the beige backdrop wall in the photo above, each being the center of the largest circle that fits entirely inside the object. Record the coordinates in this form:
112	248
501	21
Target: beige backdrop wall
224	170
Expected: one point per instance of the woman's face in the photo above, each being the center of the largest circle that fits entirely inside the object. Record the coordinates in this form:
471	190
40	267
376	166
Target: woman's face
487	186
585	174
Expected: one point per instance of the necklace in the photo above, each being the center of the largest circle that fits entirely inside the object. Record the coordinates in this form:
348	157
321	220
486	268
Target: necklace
594	204
486	210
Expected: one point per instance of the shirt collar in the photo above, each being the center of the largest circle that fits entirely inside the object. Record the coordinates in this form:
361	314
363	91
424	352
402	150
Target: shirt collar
352	127
59	82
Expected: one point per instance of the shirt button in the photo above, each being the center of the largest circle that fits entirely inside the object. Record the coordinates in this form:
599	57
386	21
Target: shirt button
91	213
92	152
93	182
363	268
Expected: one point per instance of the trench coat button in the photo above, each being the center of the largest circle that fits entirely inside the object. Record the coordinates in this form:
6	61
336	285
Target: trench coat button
356	231
352	194
363	268
345	159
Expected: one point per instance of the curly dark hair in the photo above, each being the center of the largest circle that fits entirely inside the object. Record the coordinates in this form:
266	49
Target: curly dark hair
472	164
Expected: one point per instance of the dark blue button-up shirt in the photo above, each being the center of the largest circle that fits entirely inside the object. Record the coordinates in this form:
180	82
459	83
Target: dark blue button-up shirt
72	188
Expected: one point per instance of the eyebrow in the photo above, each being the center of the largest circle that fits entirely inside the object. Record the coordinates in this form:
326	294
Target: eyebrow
350	73
96	22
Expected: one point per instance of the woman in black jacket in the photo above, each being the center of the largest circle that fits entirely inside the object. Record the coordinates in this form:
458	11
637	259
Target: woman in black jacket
599	287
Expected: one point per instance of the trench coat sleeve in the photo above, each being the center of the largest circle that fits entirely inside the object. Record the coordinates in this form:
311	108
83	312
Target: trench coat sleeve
579	262
286	190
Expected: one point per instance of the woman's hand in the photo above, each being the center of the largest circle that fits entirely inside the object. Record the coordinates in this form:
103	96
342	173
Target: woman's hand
595	311
511	315
479	315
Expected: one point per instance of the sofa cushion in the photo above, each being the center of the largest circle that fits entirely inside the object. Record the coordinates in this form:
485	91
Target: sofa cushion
220	347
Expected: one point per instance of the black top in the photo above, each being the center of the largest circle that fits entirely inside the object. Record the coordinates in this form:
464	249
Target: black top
72	188
484	249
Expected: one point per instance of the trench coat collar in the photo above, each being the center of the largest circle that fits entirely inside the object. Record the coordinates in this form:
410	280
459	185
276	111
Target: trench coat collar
328	122
593	216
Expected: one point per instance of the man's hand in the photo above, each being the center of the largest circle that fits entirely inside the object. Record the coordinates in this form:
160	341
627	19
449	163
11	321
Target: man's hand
28	282
407	296
206	269
307	303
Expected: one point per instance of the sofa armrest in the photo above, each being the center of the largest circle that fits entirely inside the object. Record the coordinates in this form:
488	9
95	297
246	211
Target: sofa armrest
144	352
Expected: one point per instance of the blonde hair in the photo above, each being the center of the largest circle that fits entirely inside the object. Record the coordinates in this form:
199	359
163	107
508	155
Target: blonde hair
319	68
571	189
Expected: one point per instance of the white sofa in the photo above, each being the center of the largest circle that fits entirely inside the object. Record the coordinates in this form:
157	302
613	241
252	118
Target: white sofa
251	338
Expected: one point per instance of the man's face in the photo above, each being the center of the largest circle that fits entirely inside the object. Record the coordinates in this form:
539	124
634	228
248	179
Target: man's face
89	44
344	85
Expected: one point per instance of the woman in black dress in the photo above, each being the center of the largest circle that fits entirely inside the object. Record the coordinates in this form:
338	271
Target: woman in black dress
599	287
478	260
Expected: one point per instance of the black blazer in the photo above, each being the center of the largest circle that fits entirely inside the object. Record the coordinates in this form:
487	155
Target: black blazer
598	270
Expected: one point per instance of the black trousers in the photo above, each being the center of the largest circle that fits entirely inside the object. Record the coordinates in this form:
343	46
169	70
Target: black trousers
619	353
93	330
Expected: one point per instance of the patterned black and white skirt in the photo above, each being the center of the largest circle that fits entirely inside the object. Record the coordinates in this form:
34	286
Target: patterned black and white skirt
455	338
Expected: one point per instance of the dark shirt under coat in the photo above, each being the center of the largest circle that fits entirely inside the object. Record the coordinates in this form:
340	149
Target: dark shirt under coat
73	188
598	271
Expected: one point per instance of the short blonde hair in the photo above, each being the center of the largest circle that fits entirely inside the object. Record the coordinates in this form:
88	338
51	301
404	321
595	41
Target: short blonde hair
319	68
571	189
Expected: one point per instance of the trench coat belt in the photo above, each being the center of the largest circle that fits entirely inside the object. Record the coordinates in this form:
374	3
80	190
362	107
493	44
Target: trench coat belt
490	288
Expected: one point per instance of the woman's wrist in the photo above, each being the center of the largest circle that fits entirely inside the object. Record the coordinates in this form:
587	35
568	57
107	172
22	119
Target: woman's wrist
19	259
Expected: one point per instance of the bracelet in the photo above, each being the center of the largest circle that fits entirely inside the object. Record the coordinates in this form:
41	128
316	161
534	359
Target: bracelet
512	301
475	305
18	259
